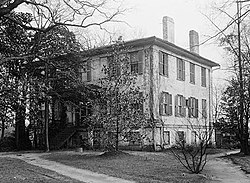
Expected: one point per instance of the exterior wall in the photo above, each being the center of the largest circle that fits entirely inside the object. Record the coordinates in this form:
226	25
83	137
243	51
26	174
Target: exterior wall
173	86
152	84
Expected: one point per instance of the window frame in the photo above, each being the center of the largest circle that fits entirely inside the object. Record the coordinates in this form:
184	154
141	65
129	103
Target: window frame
166	134
180	106
166	104
136	59
163	63
180	69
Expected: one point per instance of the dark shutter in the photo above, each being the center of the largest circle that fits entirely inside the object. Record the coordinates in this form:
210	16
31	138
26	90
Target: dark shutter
161	104
160	63
183	107
170	105
183	70
140	62
189	108
196	108
176	105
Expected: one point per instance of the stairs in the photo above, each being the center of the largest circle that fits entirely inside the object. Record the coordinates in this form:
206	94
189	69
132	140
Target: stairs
58	141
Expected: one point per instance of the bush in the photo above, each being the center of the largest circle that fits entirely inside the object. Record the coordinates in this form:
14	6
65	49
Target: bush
7	144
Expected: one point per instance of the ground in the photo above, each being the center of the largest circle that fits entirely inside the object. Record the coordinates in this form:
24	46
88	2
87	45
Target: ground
124	167
141	167
17	171
242	160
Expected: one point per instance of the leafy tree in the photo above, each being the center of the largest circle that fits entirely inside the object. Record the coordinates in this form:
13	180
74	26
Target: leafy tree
119	114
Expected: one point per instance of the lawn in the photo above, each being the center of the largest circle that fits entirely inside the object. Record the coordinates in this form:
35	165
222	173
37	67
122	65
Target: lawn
143	167
17	171
242	160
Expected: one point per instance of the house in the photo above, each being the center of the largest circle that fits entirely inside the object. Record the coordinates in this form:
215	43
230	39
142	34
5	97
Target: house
178	83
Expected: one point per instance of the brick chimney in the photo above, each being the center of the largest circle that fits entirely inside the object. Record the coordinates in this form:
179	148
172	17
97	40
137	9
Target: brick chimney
194	41
168	29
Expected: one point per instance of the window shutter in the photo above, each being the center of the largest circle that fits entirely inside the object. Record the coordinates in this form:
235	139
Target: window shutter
88	70
161	104
140	62
177	66
183	70
196	108
166	65
183	106
160	63
176	105
189	108
170	105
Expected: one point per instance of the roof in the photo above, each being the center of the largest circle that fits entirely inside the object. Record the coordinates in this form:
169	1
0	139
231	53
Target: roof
161	43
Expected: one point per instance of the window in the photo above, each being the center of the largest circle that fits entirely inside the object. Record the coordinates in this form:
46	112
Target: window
192	73
180	137
180	69
134	138
180	106
163	64
193	109
204	108
166	104
166	137
57	110
86	71
136	61
114	67
193	137
203	76
138	105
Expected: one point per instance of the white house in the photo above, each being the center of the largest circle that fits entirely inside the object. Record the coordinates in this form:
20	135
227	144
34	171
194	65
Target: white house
178	83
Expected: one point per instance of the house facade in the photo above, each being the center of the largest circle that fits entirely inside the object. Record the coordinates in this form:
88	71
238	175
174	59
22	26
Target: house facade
177	83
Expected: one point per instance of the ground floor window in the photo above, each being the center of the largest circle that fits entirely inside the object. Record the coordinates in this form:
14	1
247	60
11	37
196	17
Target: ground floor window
166	137
180	137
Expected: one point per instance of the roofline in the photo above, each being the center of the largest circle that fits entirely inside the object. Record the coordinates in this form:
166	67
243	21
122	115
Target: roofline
161	43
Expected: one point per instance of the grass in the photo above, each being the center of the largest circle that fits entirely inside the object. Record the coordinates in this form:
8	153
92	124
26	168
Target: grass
143	167
242	160
17	171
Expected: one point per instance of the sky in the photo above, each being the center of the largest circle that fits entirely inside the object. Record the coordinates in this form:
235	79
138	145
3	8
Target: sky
145	19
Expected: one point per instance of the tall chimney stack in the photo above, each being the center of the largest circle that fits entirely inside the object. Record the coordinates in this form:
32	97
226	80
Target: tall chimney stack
168	29
194	41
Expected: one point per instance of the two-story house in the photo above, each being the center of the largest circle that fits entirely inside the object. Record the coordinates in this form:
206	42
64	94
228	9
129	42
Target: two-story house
177	83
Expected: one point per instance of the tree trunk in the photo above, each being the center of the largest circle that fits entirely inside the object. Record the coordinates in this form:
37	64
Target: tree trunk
3	127
20	129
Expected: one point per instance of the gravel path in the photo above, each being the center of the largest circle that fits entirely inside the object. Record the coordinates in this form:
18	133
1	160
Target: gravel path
224	171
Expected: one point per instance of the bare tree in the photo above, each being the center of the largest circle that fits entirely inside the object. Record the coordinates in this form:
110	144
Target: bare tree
193	156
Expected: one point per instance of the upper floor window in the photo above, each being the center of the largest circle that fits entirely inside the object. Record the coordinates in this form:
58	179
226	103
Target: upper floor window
193	109
204	108
192	73
86	71
203	77
166	104
163	64
180	106
136	62
180	69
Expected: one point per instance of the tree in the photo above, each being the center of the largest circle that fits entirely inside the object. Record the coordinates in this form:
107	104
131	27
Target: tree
235	40
119	105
